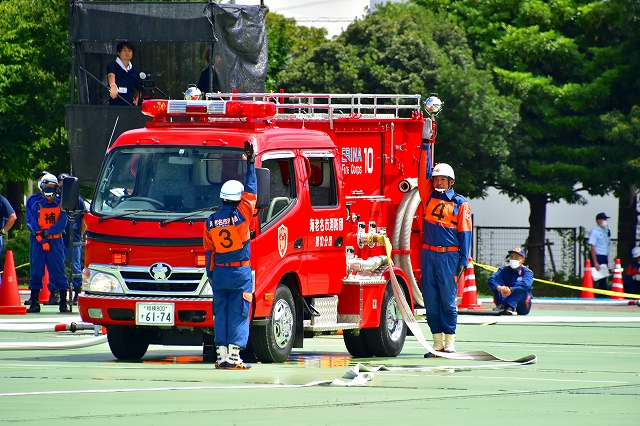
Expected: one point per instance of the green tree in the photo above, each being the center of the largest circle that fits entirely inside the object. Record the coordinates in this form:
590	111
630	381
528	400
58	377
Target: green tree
34	86
546	53
288	40
400	48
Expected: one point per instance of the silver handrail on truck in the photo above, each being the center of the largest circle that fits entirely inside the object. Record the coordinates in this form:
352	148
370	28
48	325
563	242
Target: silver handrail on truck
307	106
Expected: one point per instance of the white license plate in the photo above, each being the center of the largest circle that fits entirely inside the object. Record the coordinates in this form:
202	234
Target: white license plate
154	313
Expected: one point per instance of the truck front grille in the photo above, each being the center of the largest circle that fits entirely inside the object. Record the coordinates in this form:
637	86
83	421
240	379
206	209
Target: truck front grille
181	280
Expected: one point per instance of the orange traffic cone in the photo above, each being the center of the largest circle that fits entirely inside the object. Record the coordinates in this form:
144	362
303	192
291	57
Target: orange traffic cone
616	283
470	292
9	295
45	294
587	282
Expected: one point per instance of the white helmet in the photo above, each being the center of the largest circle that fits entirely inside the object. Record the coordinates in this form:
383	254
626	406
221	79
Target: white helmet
192	93
443	169
231	190
46	180
635	252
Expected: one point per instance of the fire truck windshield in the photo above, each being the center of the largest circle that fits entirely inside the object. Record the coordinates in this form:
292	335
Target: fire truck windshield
165	183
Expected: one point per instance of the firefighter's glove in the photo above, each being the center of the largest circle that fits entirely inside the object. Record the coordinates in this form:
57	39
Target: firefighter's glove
249	153
46	246
41	236
460	272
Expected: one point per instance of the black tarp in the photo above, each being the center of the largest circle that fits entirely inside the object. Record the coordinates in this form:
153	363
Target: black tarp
170	39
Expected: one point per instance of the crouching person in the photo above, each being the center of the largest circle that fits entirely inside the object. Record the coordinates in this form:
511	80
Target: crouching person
511	285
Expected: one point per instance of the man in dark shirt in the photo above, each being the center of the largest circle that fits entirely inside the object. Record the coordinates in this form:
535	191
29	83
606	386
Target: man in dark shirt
125	85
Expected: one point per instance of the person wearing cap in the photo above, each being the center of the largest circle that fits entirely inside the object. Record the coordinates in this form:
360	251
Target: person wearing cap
227	243
511	285
447	229
47	222
631	279
600	244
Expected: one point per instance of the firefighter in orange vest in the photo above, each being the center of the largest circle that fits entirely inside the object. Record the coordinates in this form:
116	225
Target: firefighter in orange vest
47	222
447	230
226	239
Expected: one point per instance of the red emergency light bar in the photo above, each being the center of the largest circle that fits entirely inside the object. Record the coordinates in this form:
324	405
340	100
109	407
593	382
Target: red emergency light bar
227	109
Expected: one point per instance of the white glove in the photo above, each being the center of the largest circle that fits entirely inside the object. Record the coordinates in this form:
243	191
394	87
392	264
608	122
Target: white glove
636	277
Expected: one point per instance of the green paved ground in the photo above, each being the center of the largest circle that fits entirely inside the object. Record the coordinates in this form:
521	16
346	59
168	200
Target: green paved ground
587	374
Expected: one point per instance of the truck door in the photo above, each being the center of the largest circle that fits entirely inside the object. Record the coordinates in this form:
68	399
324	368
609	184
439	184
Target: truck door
324	262
281	241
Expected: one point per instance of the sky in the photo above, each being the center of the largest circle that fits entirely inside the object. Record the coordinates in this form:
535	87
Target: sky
494	210
334	15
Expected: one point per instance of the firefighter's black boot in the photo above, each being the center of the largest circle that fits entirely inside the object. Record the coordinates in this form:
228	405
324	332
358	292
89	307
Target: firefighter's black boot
63	302
54	299
34	307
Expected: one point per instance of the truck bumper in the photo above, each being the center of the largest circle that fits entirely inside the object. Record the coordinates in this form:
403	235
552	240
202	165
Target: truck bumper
122	310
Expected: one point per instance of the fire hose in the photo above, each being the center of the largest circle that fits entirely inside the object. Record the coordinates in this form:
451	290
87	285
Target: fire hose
39	328
412	324
402	239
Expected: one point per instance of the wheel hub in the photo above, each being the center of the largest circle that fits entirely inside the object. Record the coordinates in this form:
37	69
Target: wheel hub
394	320
282	323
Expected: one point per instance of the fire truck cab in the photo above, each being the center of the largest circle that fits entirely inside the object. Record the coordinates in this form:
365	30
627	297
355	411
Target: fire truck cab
335	174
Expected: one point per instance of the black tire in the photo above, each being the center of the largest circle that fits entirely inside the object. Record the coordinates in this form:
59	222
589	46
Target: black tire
273	342
387	340
127	343
356	345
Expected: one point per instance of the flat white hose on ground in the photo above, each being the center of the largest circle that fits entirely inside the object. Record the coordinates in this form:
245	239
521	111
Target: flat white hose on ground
411	322
40	328
26	346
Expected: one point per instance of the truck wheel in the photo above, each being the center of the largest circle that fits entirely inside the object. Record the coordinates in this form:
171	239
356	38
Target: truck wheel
127	343
356	345
273	342
387	340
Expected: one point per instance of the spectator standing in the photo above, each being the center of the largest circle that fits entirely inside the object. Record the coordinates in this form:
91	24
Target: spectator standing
447	233
511	285
125	84
600	244
205	75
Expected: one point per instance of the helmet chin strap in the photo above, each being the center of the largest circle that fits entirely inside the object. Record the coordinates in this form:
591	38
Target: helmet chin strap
441	190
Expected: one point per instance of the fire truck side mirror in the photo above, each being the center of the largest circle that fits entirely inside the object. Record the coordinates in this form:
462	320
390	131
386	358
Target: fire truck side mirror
70	193
264	187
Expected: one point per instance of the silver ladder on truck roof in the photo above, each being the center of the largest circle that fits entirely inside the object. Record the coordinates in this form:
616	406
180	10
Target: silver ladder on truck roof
323	106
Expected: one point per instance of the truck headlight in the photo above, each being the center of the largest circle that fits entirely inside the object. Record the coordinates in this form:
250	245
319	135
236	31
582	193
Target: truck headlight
207	290
104	283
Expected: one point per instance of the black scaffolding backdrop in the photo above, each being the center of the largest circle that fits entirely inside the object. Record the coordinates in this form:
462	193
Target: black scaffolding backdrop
170	39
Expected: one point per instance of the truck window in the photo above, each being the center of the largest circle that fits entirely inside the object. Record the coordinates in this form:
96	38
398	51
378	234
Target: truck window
322	182
283	189
164	180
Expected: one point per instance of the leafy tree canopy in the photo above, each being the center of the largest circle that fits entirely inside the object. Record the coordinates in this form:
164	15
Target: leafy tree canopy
34	86
401	48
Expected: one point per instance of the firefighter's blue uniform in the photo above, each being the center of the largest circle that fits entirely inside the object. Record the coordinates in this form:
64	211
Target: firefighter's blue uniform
447	234
226	239
46	216
520	281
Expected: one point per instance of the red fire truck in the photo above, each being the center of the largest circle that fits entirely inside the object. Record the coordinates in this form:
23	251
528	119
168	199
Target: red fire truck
335	172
